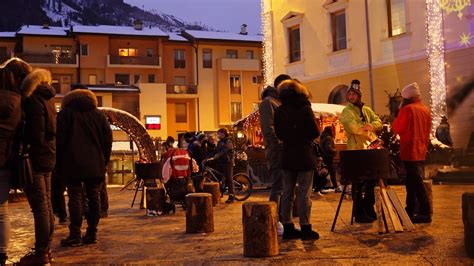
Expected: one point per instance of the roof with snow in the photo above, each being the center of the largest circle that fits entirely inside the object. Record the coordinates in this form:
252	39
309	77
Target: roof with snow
222	36
119	30
40	30
7	34
177	38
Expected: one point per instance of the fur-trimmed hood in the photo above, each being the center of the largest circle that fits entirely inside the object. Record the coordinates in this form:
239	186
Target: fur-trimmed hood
80	99
269	91
33	81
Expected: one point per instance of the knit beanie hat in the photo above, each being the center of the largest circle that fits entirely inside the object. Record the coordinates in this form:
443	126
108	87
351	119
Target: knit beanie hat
411	91
355	87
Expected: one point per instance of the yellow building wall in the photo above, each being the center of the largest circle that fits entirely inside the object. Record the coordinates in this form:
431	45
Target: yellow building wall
169	72
99	72
173	127
98	50
153	102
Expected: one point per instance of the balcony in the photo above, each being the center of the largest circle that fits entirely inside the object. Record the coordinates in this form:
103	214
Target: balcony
133	61
50	59
240	64
181	89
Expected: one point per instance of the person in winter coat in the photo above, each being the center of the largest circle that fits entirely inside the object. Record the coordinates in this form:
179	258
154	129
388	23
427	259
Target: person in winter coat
40	140
328	151
84	143
295	126
443	132
12	74
224	160
273	146
413	124
361	125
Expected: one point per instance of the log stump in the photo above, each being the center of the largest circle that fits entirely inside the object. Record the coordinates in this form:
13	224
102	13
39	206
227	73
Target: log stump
199	214
429	193
260	229
213	188
155	199
468	220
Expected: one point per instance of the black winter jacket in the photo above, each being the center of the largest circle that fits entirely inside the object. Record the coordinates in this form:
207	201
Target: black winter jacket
84	138
40	118
296	126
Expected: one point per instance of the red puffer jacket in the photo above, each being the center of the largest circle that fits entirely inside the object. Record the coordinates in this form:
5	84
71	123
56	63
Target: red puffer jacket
413	125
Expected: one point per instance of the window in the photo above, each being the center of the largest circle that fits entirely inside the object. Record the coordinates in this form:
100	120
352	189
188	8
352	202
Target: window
151	78
121	79
84	49
136	78
149	52
55	84
92	79
235	84
206	58
235	111
257	79
3	51
99	101
128	52
295	48
179	61
179	80
232	54
249	54
338	24
396	17
181	113
61	50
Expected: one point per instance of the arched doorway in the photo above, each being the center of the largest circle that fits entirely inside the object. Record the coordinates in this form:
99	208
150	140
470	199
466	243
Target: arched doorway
338	94
135	129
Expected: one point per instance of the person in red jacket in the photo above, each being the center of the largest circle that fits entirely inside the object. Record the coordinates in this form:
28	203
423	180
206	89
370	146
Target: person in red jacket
413	124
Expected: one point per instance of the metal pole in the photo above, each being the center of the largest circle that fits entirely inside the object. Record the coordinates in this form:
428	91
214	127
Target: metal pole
369	52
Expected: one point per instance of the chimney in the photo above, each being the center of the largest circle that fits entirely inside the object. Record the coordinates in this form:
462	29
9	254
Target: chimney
45	24
243	29
138	24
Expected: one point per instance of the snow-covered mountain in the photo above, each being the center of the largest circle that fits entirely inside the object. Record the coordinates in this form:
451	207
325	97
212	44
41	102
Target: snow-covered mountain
85	12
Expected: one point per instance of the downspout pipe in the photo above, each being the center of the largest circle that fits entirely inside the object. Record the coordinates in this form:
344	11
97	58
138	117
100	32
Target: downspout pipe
369	54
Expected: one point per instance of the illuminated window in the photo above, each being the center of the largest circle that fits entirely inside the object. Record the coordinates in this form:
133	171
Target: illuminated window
179	59
295	47
338	27
235	84
92	79
235	111
396	17
128	52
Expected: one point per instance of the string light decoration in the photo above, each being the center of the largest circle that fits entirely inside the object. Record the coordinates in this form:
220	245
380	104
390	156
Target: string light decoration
251	121
267	44
454	6
435	51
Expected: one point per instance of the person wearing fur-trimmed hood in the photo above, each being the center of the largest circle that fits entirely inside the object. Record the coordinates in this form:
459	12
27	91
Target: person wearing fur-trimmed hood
39	137
84	143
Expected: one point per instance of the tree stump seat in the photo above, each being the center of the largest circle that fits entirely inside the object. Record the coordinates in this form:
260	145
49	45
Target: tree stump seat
260	229
199	213
213	188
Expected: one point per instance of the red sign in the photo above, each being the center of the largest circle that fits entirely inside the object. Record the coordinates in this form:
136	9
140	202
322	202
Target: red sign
153	122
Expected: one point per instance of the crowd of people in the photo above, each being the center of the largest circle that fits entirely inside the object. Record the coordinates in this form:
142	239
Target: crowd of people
74	144
73	148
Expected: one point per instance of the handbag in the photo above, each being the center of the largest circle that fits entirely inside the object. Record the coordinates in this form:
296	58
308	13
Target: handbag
22	168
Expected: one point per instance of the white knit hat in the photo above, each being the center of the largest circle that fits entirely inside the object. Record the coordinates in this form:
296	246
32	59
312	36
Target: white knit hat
411	91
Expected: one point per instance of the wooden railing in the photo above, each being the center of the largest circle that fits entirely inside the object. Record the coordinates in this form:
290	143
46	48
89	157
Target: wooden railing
181	89
134	60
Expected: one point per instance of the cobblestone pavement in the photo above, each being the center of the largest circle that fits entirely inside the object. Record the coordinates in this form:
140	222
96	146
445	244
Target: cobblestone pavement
128	236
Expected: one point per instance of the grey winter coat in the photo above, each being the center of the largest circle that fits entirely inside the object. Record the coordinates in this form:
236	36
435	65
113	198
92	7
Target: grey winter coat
84	138
273	146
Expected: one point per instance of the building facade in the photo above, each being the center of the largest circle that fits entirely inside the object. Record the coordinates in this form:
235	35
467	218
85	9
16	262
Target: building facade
324	44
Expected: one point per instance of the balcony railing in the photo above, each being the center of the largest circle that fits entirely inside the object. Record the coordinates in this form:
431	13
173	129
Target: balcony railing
134	60
49	58
181	89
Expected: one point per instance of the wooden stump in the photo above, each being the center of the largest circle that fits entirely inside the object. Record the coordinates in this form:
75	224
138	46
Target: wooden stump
199	214
260	229
155	199
213	188
429	193
468	220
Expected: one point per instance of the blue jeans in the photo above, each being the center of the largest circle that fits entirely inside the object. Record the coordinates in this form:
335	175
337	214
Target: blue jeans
39	197
305	184
4	222
277	187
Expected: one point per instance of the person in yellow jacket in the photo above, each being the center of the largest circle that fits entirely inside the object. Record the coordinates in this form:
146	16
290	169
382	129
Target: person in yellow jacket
361	125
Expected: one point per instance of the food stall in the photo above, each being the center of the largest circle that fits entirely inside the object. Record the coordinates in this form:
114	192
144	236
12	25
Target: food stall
326	115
